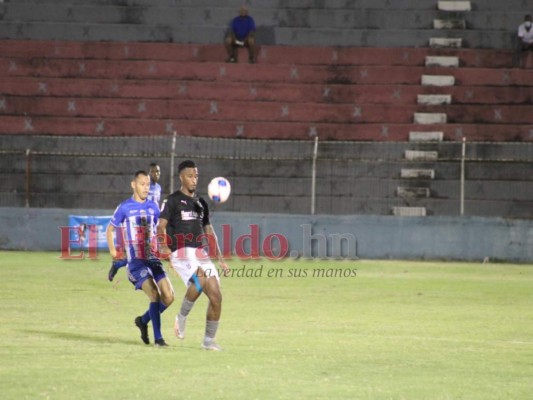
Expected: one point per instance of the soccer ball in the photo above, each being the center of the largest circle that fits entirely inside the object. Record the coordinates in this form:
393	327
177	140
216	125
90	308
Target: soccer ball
219	189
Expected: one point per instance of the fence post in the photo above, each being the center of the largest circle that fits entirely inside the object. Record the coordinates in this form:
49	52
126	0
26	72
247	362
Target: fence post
313	177
462	194
173	147
28	176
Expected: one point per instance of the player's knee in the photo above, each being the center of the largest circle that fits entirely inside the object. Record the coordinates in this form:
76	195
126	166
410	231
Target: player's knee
167	292
213	293
167	298
216	300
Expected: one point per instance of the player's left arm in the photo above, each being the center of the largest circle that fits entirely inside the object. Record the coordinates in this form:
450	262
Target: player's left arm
210	232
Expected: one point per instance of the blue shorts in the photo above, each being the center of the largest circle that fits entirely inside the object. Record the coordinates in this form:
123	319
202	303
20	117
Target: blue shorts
141	270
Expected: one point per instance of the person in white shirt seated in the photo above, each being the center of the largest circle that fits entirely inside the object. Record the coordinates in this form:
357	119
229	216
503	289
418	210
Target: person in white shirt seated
525	33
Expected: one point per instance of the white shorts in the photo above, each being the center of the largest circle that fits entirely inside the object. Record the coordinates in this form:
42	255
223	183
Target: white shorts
187	260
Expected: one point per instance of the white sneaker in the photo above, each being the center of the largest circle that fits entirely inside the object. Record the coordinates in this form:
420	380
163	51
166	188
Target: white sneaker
211	345
179	327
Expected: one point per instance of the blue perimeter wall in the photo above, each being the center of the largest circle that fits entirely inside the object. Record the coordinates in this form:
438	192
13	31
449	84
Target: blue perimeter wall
365	236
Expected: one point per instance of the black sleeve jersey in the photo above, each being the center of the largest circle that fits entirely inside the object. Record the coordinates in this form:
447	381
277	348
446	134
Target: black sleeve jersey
186	218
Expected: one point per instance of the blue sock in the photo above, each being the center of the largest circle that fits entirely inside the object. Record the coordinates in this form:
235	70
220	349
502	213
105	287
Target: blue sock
146	316
155	316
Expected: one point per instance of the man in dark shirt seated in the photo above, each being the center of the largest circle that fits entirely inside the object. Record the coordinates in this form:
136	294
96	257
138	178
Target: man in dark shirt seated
241	34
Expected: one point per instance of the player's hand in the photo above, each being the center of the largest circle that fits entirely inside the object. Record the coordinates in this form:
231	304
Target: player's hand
225	268
164	252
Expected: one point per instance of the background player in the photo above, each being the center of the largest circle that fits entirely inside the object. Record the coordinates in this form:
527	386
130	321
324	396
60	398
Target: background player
137	218
185	218
154	194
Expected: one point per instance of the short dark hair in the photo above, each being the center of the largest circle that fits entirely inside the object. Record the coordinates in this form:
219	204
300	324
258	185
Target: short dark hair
154	164
186	164
140	172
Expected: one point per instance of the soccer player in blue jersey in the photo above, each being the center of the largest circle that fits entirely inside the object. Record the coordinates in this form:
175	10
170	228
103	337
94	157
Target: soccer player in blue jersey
154	194
136	220
185	220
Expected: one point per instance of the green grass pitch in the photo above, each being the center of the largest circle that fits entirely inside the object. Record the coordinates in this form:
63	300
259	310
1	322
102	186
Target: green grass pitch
390	330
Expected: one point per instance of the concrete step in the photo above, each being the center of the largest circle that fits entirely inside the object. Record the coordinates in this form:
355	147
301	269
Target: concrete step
292	55
371	18
434	99
204	90
91	126
454	5
298	4
245	91
442	61
438	80
409	211
417	173
207	109
199	32
449	24
413	192
432	136
266	111
493	77
446	42
421	155
255	4
352	16
496	114
430	118
244	72
484	95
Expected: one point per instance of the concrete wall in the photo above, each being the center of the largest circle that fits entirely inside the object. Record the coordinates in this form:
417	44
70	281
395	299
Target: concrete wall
272	176
383	23
368	237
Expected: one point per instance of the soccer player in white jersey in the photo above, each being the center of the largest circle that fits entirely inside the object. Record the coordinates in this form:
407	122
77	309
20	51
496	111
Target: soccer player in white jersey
136	219
185	221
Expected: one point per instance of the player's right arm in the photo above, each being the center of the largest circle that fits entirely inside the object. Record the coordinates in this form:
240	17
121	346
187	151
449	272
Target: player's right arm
110	241
116	219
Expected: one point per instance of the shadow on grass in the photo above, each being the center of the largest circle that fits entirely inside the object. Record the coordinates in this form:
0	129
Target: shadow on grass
83	337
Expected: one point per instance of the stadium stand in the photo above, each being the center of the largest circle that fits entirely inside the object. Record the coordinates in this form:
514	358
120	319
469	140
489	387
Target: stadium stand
420	72
373	23
93	88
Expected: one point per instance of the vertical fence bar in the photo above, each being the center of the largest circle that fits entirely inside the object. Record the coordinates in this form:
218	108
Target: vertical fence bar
313	177
28	176
462	195
172	155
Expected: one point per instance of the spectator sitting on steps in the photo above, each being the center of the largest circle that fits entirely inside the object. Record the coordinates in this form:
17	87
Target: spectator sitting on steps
525	33
241	34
